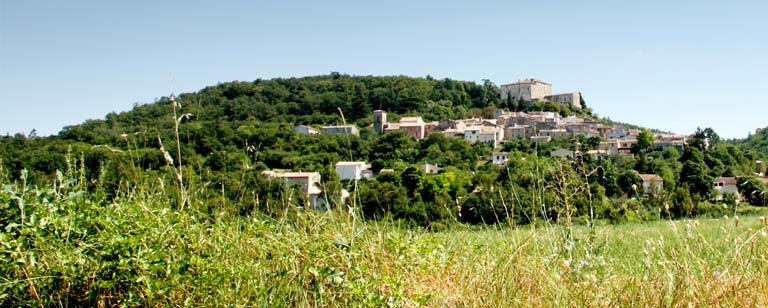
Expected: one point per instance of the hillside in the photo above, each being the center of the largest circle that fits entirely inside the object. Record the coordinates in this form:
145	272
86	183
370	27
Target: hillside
229	134
757	141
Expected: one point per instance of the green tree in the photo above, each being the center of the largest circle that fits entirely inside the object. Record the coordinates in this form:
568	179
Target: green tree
392	147
645	140
695	173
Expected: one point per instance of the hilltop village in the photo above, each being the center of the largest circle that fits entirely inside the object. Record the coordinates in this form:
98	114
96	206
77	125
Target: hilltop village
536	126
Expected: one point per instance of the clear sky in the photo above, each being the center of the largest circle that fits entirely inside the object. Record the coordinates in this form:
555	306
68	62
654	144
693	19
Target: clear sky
670	65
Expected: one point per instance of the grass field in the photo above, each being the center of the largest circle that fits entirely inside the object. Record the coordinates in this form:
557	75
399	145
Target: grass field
137	255
60	247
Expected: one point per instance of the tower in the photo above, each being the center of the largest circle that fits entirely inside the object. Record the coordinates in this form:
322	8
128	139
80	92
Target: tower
379	121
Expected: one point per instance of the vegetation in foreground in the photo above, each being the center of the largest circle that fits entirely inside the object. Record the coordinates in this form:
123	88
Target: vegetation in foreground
64	246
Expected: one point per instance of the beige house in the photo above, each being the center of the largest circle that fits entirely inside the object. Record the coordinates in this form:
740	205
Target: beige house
554	133
414	126
652	183
517	131
572	99
309	182
526	89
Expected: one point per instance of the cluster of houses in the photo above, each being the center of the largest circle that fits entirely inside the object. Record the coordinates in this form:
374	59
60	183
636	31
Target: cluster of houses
536	126
310	182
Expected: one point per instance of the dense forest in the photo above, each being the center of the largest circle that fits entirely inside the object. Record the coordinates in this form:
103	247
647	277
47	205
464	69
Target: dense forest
208	149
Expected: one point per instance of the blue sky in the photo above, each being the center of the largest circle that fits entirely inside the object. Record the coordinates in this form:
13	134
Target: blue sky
670	65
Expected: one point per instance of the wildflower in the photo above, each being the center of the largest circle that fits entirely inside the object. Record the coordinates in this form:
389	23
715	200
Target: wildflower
592	278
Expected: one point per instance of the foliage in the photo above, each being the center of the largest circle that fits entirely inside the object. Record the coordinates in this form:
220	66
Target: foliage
72	248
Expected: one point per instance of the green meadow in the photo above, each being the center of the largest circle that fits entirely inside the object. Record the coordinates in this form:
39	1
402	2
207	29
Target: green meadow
65	246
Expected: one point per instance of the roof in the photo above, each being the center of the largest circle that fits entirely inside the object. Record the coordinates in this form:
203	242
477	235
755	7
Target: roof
411	120
279	174
726	180
527	81
650	177
517	127
339	126
350	163
563	94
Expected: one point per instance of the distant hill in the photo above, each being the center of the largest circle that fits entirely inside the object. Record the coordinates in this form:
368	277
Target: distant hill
313	100
757	141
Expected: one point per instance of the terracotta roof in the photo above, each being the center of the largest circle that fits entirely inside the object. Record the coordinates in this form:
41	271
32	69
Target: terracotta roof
650	177
726	180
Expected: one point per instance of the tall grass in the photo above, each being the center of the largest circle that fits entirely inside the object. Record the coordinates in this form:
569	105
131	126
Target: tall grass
72	249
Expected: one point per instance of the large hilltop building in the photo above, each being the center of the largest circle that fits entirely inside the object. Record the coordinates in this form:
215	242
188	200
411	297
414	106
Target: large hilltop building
534	90
526	89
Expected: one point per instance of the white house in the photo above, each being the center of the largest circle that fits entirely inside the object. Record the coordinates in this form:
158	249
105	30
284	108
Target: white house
350	170
726	185
305	130
485	134
564	153
341	130
430	168
500	158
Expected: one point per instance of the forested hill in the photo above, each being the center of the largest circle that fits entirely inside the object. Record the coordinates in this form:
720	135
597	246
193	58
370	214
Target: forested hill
757	141
306	100
312	100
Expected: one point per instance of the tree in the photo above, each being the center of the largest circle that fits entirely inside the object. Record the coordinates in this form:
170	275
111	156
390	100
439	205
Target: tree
753	190
695	173
704	138
392	147
645	140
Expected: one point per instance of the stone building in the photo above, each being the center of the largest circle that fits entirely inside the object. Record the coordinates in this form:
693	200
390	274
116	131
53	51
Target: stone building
571	99
526	89
379	121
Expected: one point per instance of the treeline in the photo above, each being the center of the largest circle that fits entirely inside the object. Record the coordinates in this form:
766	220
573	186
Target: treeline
229	133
